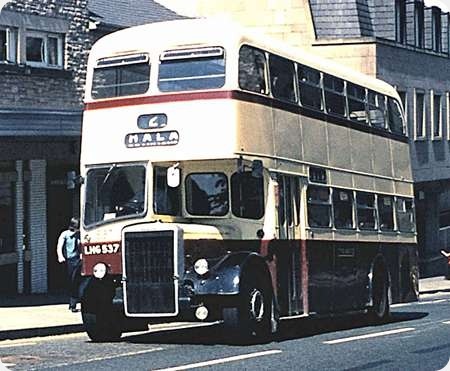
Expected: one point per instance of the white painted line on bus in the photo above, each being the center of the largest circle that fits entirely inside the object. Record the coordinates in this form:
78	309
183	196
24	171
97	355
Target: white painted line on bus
221	360
368	336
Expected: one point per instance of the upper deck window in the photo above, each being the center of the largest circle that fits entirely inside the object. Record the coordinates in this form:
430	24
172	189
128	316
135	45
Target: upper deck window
356	96
121	76
252	70
310	88
334	95
395	117
282	77
192	69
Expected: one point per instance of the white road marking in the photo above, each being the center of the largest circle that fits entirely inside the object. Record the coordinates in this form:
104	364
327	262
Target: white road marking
221	360
432	301
99	359
446	322
11	345
372	335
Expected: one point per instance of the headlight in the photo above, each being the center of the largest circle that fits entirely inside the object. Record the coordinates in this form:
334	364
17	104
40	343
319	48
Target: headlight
100	270
201	267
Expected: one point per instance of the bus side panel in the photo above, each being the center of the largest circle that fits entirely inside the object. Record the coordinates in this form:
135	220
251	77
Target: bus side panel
339	273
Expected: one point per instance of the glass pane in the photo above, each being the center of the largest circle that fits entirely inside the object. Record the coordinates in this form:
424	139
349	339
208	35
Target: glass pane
395	117
252	67
282	77
114	192
365	210
192	73
35	49
420	114
319	208
3	54
343	208
119	81
405	215
247	196
166	200
52	51
309	86
7	213
207	194
386	213
334	95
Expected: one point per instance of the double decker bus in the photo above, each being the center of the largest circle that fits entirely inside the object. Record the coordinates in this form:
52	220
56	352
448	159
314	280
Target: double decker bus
229	177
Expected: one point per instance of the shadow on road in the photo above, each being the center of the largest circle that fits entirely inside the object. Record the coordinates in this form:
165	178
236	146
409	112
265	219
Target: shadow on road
289	330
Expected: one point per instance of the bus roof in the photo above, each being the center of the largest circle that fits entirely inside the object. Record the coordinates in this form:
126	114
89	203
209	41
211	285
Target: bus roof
166	35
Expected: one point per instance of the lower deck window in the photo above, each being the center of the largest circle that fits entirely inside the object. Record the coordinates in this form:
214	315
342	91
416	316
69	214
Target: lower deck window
386	213
207	194
247	195
365	210
343	208
319	206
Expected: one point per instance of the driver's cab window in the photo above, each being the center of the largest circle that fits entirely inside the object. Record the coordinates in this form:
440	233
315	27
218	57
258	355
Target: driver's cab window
166	200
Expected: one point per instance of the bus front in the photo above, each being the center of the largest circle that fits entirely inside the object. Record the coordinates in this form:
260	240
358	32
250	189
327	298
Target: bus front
161	184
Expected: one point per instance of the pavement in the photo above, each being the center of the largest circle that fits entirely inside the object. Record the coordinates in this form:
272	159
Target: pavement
25	316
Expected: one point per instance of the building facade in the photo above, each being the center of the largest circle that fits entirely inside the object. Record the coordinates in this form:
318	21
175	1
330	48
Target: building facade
405	43
44	46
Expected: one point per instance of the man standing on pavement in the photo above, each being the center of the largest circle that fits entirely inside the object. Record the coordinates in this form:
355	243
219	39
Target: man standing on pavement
68	252
447	255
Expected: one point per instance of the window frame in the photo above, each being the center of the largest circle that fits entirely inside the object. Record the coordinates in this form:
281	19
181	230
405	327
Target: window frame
350	202
10	46
400	21
436	134
419	24
422	134
45	36
373	208
264	75
319	203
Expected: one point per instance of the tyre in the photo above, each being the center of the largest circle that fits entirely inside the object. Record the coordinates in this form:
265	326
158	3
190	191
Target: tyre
101	326
251	319
379	311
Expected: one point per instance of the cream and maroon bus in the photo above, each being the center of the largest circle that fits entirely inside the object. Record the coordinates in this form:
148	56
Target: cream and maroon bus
228	177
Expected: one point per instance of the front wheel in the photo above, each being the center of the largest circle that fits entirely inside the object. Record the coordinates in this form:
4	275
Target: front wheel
101	326
252	317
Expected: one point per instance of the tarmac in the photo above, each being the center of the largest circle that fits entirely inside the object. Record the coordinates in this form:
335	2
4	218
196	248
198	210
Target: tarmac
26	316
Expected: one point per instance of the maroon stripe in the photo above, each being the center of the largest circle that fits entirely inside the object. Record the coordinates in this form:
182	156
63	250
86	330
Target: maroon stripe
180	97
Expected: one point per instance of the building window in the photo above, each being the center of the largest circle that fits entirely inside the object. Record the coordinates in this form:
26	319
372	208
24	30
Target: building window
44	50
419	115
437	116
436	30
8	45
400	21
419	23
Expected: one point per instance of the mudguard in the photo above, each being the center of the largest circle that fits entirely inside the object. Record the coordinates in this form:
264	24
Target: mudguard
225	276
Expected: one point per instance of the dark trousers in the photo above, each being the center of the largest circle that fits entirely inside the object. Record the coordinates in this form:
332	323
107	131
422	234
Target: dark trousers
74	275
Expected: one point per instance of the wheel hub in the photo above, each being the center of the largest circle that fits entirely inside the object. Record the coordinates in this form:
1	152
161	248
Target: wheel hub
256	305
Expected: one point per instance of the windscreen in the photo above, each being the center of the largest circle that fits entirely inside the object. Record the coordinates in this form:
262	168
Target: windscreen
114	192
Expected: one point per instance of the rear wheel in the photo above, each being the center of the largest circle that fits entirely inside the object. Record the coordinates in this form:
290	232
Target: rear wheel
252	317
379	311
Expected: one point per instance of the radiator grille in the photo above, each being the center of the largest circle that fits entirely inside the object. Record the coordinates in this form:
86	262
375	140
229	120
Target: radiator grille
150	270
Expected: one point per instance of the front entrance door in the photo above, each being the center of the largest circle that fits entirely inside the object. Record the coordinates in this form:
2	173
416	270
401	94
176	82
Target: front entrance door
288	251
